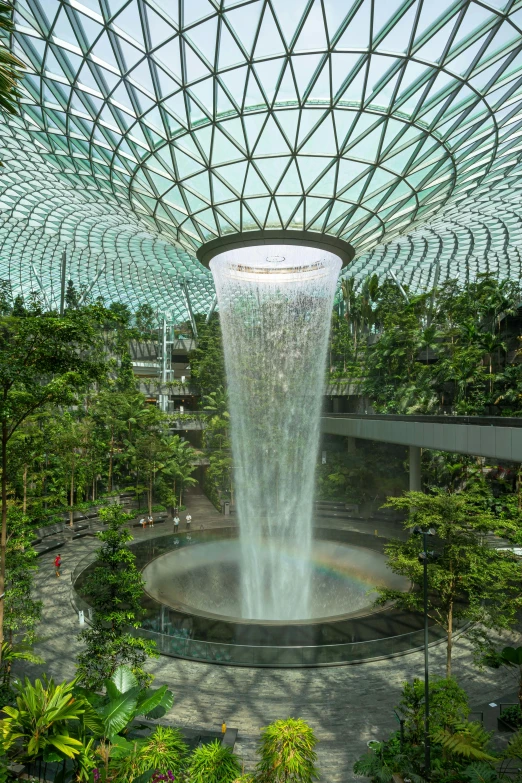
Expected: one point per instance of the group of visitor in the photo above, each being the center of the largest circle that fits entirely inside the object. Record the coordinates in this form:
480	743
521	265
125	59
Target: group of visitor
188	520
147	521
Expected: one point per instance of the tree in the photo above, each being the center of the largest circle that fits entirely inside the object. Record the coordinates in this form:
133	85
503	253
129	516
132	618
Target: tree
44	359
287	753
448	705
207	361
469	581
114	589
21	612
178	465
10	66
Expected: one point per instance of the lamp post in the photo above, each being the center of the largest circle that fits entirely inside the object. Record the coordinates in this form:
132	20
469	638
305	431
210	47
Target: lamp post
425	557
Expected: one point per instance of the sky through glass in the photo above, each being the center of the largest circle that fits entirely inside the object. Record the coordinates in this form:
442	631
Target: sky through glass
150	127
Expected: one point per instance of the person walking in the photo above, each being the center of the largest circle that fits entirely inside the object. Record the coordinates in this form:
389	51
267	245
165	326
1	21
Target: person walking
176	523
57	564
189	520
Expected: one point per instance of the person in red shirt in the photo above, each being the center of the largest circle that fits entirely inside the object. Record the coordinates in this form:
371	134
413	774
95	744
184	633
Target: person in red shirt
57	564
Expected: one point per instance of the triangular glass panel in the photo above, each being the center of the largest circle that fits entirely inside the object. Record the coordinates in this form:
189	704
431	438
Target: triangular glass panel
253	124
321	91
287	205
203	37
313	34
220	191
272	220
291	182
287	120
203	94
234	175
63	30
259	206
326	185
232	211
254	184
311	168
223	102
200	183
368	148
314	206
304	67
289	16
342	66
234	128
271	141
399	37
309	118
186	165
169	56
268	41
197	9
287	90
271	170
235	82
159	30
223	151
354	91
268	74
196	68
245	21
357	34
323	139
335	15
229	52
253	94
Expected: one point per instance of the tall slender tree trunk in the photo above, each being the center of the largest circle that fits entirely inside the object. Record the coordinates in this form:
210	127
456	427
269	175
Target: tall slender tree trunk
3	536
111	452
449	647
150	493
24	503
71	497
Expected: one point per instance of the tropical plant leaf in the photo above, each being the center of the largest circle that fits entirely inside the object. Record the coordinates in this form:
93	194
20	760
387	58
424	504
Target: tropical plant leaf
69	746
124	679
164	707
111	690
481	773
149	700
119	712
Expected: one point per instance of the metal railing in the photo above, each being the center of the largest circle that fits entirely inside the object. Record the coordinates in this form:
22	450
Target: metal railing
481	421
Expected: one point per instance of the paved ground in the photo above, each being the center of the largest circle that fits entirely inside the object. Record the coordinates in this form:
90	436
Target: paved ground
346	705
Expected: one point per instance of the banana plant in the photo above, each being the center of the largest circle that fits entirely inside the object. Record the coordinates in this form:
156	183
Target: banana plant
124	700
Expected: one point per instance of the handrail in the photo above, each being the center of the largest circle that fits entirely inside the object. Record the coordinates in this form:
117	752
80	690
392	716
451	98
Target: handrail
481	421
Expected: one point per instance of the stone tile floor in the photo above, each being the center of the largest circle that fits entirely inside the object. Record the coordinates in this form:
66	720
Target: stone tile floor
346	705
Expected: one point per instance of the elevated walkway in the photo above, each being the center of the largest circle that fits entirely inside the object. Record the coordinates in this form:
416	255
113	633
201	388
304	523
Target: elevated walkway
496	437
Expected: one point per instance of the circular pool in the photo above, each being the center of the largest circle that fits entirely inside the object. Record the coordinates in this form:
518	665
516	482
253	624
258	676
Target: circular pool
192	604
206	580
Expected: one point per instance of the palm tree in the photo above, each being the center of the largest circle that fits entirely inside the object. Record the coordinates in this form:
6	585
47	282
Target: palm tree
179	464
10	65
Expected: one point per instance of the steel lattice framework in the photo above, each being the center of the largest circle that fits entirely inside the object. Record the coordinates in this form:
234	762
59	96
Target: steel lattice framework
149	127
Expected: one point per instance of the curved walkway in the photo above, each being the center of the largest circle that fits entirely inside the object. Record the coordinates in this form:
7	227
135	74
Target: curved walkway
346	705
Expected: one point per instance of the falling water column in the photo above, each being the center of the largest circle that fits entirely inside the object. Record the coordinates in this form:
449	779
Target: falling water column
275	306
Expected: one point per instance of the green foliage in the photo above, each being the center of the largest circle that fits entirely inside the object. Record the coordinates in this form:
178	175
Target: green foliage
287	753
38	724
114	589
448	705
469	580
448	348
467	740
164	750
513	716
207	361
213	763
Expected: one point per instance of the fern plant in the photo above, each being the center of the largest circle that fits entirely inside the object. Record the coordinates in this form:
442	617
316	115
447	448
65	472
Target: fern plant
467	740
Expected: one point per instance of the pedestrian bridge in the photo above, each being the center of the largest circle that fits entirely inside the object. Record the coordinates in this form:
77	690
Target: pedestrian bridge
496	437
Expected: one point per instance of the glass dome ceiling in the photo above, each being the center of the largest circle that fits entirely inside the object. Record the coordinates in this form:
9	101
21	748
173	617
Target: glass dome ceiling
150	127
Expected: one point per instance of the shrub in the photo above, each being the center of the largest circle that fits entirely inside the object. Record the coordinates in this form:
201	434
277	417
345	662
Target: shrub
287	753
513	716
213	763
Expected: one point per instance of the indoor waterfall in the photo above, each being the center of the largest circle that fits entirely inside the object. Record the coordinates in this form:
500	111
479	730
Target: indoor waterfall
275	306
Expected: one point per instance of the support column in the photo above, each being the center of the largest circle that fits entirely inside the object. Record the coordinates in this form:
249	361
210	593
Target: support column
415	469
